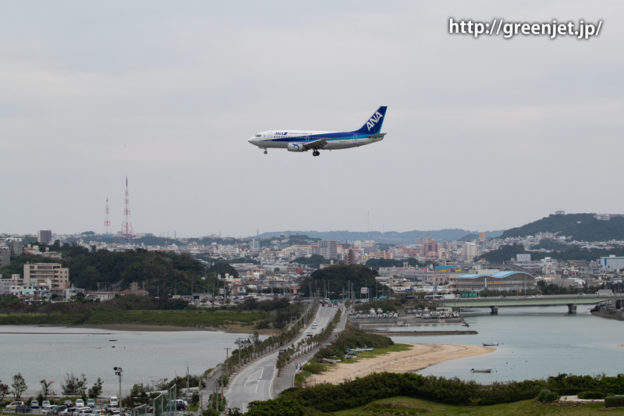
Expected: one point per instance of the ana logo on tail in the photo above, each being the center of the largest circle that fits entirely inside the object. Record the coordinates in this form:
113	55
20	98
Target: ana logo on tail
373	120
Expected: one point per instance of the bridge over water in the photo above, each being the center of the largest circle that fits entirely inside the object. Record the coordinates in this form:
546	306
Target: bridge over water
518	301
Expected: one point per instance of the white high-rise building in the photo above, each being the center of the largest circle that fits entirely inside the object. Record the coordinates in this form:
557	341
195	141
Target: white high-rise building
470	251
328	249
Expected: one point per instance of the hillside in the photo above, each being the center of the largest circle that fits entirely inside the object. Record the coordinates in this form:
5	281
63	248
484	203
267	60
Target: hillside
335	280
157	272
580	227
388	237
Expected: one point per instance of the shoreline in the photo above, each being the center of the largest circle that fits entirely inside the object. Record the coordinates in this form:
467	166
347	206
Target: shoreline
418	357
140	328
175	328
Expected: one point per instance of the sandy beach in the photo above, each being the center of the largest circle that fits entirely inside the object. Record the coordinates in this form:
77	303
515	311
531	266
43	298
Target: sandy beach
418	357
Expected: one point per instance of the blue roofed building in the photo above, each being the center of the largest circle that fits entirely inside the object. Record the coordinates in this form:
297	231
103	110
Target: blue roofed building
501	281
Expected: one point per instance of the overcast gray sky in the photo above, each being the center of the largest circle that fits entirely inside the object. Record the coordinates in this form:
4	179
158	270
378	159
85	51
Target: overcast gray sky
482	134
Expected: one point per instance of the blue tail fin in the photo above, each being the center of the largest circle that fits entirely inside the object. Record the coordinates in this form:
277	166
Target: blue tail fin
373	124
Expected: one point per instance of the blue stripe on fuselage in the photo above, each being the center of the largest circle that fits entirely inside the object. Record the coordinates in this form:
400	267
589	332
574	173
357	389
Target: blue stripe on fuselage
328	136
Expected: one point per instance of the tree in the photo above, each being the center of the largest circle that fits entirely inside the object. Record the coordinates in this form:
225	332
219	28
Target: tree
4	390
75	386
18	386
45	388
96	389
221	268
337	278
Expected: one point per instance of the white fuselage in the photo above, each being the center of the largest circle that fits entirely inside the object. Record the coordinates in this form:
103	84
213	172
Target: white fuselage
280	139
304	140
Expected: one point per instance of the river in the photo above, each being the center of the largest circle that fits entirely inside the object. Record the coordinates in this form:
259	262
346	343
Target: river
146	356
534	342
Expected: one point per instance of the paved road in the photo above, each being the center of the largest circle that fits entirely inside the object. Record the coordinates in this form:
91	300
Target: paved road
286	378
255	382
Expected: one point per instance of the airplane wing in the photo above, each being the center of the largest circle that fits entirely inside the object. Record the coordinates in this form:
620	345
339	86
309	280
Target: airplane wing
316	144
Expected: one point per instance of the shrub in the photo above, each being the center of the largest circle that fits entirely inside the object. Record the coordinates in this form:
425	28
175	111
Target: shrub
314	367
547	396
614	401
591	395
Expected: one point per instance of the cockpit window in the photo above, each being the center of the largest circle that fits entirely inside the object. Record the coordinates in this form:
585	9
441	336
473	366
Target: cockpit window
258	135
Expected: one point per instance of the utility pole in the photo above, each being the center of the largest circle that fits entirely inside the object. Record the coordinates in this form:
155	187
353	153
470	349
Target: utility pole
118	371
227	356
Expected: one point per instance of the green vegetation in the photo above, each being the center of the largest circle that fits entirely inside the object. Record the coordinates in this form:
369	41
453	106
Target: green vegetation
353	338
253	347
614	401
379	351
335	279
377	263
160	273
18	386
349	338
392	305
315	260
507	252
405	406
591	395
286	355
581	227
190	318
362	391
144	310
221	268
547	396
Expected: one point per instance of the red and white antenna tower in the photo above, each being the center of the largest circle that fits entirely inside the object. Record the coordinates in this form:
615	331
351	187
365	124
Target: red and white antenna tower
107	219
126	226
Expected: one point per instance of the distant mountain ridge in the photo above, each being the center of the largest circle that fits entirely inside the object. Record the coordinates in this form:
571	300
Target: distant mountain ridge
388	237
580	227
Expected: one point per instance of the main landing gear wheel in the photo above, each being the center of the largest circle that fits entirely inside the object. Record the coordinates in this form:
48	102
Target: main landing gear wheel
316	153
266	152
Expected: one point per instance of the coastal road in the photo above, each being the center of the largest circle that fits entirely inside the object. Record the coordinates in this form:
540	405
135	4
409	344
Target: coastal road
286	378
255	382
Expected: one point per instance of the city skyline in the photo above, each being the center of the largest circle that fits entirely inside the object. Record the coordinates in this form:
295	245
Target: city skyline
483	134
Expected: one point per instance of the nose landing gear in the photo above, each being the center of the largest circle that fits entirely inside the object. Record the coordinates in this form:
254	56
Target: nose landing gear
316	153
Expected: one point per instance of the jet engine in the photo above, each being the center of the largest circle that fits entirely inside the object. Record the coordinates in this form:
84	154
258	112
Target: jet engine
295	147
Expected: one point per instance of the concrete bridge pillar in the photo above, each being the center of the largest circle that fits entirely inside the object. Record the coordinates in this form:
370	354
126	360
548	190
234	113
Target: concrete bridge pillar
618	304
571	309
493	310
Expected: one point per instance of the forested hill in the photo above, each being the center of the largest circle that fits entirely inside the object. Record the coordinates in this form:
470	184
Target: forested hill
157	272
580	227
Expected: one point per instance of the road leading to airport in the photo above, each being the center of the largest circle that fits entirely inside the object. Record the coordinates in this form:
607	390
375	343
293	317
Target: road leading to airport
255	382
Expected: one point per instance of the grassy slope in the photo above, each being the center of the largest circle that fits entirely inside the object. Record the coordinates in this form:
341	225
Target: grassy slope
379	351
193	318
406	406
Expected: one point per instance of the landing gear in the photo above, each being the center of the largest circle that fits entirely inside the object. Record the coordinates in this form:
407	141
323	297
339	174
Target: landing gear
266	152
316	153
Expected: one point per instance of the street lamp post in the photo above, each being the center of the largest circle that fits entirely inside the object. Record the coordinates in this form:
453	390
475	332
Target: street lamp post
118	371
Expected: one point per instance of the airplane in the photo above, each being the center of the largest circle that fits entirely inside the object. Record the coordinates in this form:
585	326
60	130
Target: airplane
302	141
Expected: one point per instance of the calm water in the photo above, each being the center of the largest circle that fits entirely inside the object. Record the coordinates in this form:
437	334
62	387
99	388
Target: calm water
146	357
534	343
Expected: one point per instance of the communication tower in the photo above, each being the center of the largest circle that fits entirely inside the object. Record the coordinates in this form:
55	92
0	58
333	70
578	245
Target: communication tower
107	223
126	225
